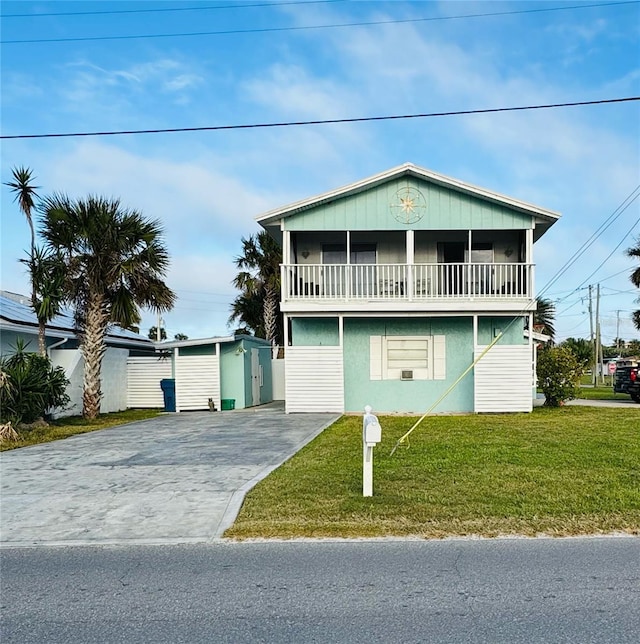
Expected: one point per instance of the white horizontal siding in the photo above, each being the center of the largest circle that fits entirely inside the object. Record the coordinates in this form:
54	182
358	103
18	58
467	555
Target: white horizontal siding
503	379
197	380
144	375
314	379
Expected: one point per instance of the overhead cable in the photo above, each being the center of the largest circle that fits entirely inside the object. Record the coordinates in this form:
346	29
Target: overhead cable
362	119
263	30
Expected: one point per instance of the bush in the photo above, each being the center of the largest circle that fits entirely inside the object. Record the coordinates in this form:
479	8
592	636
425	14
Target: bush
559	373
29	386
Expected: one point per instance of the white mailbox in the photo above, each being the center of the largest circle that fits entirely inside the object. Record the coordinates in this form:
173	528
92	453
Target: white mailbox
371	436
372	432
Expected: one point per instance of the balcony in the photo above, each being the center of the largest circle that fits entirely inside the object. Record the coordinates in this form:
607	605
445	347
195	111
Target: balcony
444	285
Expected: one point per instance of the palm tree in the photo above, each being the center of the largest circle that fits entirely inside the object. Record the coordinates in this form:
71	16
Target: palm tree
248	310
544	317
48	274
26	195
260	278
114	261
634	251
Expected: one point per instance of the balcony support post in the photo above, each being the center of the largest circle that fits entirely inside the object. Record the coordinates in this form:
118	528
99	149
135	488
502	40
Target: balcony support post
410	257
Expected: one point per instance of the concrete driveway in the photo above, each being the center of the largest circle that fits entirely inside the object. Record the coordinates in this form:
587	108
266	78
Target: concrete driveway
178	478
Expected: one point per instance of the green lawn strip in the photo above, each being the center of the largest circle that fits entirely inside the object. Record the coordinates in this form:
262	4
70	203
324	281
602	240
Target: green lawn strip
65	427
601	393
574	470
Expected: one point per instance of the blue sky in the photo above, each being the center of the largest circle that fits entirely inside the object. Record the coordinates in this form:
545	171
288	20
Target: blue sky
207	187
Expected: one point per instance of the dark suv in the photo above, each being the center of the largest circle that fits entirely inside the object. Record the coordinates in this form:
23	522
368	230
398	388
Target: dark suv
627	378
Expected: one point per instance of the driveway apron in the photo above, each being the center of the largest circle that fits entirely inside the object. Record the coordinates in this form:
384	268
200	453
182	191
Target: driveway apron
177	478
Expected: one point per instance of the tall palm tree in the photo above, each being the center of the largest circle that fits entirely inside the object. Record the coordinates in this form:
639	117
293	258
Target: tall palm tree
115	261
26	195
260	278
634	251
544	317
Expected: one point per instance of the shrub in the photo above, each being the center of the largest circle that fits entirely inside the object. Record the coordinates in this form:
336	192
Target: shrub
29	386
559	374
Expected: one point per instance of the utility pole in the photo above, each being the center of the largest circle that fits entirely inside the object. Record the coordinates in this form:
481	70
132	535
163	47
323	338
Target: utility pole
158	333
593	344
598	338
618	331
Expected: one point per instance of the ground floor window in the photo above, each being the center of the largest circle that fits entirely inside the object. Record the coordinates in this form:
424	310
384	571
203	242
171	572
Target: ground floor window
407	357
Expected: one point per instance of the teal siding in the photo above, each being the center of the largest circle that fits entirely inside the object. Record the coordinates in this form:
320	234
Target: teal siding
407	396
315	332
488	328
233	367
447	209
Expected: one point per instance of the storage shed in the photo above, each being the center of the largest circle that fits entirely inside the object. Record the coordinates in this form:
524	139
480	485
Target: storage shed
232	372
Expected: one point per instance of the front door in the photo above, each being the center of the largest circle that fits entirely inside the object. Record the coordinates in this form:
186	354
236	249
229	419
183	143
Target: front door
255	377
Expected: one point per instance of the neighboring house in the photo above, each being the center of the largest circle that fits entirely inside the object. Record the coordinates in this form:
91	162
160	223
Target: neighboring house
393	285
18	321
232	371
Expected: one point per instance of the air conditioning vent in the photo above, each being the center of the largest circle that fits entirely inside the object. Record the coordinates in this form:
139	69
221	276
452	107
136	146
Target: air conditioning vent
406	374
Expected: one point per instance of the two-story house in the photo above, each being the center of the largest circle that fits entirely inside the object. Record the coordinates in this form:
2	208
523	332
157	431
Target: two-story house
392	286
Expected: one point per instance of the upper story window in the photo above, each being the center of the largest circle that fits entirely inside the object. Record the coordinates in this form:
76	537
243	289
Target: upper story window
360	254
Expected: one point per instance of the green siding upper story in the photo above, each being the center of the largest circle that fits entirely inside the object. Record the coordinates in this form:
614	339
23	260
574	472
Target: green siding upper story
446	209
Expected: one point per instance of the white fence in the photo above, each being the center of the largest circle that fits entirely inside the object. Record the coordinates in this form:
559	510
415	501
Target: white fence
144	374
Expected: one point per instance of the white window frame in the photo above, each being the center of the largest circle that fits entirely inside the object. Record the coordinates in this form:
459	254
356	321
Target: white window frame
395	373
379	358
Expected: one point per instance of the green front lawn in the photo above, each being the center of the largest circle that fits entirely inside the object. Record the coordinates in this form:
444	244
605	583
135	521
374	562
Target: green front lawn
573	470
601	393
65	427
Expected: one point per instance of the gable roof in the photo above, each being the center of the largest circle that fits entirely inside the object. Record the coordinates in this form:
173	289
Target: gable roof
542	215
16	314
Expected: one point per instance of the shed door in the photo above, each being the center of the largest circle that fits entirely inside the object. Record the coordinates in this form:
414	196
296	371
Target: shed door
255	376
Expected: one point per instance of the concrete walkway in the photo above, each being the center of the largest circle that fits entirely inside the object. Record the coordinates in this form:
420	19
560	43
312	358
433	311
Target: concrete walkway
621	404
178	478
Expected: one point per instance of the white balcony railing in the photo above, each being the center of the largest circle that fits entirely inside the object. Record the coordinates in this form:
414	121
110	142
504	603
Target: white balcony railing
405	281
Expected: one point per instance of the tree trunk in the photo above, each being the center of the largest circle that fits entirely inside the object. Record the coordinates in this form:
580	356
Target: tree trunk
42	345
93	349
270	308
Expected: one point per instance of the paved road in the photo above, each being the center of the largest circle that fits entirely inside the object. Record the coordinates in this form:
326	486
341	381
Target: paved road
494	591
173	479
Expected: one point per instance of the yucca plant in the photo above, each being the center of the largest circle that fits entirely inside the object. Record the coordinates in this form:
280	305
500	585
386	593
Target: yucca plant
30	386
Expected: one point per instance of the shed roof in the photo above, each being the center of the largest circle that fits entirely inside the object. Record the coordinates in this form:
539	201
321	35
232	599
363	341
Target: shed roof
198	342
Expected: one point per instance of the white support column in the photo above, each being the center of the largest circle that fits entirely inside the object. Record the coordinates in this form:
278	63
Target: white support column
285	286
347	289
529	260
176	355
410	288
470	280
219	401
286	247
285	332
341	330
475	332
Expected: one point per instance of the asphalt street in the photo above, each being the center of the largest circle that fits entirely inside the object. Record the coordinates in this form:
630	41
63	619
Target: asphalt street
507	590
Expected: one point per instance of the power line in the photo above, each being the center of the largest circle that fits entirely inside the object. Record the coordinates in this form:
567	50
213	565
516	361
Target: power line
362	119
310	27
164	10
629	199
608	257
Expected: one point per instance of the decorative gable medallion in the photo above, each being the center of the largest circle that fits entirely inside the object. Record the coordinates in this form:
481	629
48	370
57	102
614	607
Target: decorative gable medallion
408	205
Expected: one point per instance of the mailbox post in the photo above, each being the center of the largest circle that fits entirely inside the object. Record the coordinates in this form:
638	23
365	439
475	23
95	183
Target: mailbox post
371	436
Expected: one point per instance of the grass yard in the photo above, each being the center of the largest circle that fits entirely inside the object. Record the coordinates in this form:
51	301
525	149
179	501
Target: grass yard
601	393
65	427
567	471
